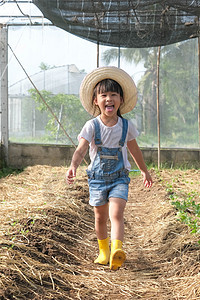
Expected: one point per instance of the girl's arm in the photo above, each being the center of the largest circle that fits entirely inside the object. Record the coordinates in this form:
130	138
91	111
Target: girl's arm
136	154
77	158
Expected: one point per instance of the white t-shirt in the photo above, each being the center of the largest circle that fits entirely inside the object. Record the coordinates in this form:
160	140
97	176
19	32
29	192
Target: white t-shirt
110	137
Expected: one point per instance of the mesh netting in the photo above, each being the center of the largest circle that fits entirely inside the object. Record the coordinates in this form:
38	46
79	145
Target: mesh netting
130	24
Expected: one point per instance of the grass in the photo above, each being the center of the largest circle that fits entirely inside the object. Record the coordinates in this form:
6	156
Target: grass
5	171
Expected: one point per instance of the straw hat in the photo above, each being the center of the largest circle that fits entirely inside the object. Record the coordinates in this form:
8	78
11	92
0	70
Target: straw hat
126	82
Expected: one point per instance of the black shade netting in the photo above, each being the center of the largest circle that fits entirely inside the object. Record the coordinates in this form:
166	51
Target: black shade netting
129	24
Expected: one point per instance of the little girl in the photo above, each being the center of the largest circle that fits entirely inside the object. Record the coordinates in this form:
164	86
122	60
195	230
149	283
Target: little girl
107	93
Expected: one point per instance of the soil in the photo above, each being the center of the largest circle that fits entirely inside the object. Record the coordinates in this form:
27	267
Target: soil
48	243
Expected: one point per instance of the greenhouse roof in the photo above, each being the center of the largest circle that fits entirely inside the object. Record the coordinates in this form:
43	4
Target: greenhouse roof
129	24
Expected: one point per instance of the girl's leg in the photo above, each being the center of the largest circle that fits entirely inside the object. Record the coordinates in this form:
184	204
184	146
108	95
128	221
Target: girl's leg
101	218
116	212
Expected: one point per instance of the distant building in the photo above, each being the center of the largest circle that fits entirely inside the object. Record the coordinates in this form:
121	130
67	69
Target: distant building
63	79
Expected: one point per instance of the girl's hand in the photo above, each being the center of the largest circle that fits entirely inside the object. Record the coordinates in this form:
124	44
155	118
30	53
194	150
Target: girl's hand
147	179
71	173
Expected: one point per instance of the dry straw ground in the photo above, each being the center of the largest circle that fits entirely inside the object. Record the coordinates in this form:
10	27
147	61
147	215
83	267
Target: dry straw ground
48	242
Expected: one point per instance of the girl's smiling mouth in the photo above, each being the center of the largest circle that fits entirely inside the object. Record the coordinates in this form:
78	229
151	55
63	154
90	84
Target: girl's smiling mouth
109	107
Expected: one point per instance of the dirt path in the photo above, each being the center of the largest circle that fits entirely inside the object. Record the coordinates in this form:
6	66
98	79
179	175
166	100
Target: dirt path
144	210
143	275
48	242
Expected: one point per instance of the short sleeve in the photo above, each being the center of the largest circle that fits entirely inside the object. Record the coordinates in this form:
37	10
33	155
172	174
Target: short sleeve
87	131
132	131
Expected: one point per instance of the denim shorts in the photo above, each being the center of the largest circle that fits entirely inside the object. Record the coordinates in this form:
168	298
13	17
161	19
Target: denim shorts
101	190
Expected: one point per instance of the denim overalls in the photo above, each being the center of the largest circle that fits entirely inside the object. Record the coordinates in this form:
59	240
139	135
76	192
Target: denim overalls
108	177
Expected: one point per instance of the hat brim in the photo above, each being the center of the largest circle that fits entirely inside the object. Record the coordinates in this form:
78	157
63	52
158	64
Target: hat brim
126	82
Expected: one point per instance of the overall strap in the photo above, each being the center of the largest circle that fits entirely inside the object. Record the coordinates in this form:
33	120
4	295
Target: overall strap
124	132
97	134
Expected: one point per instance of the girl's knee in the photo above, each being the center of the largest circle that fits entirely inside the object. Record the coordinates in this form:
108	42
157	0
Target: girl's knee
116	216
116	209
101	219
101	214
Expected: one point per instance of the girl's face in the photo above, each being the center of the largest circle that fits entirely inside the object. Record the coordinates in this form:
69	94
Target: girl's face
108	103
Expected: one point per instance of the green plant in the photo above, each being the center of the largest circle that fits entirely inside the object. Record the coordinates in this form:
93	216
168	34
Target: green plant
8	171
188	211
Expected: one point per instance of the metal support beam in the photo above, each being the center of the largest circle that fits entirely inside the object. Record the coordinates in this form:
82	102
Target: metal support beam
4	89
199	89
158	103
119	57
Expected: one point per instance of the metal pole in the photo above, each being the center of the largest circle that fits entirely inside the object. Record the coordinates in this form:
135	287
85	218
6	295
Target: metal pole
97	48
97	54
4	89
158	106
199	88
119	57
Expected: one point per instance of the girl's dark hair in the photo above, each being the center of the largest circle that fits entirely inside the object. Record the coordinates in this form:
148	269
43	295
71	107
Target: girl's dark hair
108	85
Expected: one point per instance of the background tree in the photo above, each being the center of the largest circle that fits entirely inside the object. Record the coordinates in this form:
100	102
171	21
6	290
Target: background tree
178	92
43	66
147	86
67	108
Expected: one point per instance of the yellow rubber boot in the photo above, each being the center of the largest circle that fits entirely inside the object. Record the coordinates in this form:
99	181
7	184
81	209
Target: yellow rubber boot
104	252
117	256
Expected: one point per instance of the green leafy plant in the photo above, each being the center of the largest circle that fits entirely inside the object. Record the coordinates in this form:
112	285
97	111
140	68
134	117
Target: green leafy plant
188	211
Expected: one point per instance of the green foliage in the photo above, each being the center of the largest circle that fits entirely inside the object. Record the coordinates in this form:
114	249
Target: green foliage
32	117
67	108
188	211
8	171
178	92
44	66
